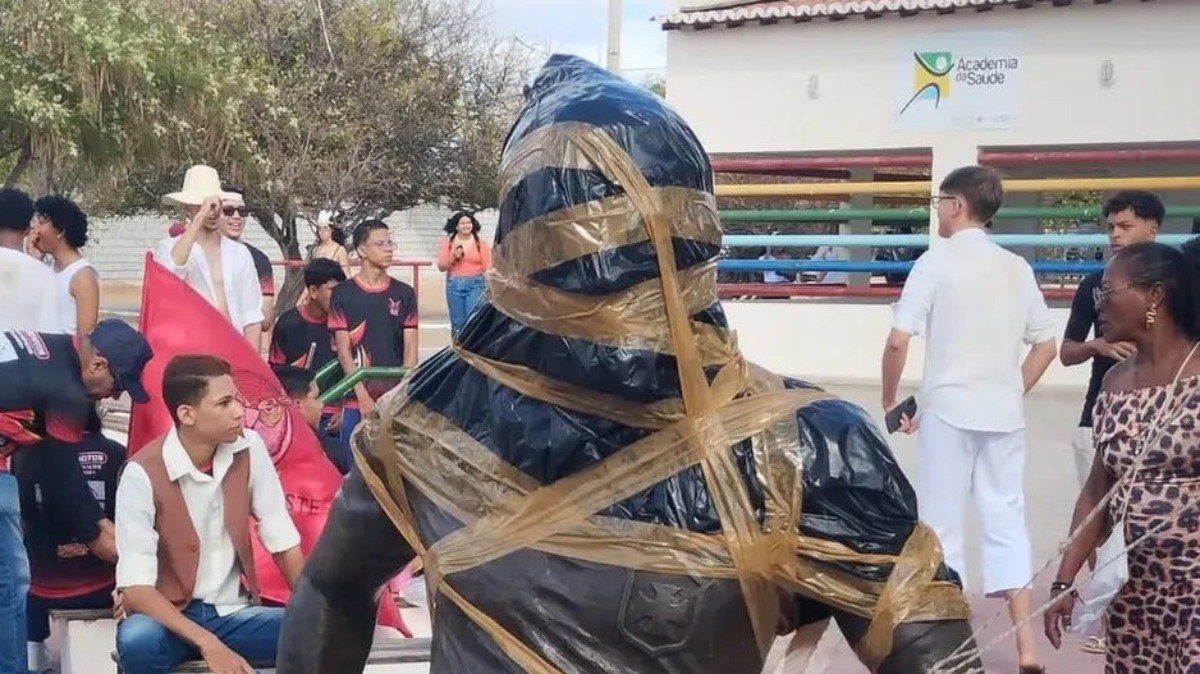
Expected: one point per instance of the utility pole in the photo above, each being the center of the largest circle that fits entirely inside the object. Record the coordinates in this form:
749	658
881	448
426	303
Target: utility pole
614	35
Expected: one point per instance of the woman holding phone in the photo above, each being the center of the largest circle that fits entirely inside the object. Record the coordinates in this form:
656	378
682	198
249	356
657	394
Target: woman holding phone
465	259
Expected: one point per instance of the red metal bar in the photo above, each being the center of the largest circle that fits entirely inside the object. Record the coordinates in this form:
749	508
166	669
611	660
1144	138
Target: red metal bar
353	263
787	290
753	164
1011	157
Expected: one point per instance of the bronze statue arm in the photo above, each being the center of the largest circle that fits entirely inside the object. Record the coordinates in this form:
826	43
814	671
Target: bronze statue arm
330	619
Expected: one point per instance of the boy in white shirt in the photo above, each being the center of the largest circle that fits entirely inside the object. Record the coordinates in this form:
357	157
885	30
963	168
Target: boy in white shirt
978	306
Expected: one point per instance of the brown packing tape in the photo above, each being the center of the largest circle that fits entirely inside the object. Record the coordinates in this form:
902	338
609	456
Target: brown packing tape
632	318
397	511
729	494
551	508
586	229
457	474
727	384
549	146
911	576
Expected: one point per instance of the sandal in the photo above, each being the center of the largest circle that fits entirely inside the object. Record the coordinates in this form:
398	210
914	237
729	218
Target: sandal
1094	645
1032	669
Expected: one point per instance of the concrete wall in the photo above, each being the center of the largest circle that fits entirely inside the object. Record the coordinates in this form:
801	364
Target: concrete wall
833	341
119	245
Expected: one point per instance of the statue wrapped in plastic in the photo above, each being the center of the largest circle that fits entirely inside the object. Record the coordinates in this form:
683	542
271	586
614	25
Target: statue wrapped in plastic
593	476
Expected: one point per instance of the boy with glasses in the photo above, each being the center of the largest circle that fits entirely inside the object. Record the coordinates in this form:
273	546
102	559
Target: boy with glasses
373	318
979	306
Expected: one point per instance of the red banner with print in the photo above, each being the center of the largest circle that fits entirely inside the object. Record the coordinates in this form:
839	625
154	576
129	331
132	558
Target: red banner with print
175	320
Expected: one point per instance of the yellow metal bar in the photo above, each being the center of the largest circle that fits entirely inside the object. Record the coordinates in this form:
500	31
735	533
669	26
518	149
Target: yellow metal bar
822	189
1101	184
923	187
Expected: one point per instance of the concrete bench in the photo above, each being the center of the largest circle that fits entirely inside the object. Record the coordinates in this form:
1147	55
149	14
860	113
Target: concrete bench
78	636
393	656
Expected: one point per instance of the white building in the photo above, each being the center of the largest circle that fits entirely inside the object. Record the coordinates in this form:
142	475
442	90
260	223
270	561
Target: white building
951	78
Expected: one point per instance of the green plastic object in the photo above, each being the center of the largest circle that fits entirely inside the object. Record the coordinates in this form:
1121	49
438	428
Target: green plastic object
340	389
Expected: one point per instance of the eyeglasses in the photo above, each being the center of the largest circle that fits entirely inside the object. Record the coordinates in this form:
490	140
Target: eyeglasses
231	210
939	198
1100	295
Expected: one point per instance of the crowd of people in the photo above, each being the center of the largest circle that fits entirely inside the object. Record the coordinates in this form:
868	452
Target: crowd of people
174	559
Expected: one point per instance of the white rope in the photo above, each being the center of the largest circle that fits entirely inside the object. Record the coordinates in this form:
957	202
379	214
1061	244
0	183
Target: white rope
1158	429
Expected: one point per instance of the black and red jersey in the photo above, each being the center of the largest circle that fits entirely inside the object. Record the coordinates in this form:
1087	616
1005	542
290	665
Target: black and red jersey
302	340
262	266
376	319
66	489
42	394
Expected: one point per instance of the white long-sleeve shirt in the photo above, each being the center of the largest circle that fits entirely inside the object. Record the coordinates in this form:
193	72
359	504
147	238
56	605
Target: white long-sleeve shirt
978	306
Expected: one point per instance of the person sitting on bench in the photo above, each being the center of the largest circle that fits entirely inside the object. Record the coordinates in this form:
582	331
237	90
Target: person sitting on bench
67	512
183	533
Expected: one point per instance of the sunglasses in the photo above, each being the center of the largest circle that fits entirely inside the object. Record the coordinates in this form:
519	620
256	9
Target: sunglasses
231	210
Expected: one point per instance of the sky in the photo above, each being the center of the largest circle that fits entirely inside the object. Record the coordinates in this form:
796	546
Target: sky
581	27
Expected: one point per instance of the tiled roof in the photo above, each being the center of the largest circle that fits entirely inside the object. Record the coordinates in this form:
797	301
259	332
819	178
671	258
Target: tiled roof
733	14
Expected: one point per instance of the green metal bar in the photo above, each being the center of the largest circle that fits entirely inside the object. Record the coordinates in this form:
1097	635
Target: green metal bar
922	213
340	389
326	370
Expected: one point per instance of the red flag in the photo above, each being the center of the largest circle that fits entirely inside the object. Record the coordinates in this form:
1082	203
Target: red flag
176	319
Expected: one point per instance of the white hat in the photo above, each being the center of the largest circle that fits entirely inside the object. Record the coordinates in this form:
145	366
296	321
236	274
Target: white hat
199	183
324	219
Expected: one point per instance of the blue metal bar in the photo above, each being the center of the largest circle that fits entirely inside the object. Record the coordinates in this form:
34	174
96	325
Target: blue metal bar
1041	266
922	240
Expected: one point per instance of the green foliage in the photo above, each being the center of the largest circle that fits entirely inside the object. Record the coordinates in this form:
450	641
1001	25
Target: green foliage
360	106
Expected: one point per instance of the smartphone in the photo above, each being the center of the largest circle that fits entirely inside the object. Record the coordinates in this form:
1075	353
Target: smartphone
908	408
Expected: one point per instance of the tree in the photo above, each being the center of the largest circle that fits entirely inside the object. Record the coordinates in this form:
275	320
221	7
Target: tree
93	92
390	107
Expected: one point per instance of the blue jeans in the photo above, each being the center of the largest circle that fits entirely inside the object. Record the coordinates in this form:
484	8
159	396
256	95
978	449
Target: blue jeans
351	418
462	294
144	646
14	581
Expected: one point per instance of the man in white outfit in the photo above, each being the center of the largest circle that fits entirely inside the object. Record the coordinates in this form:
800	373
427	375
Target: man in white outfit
219	268
978	307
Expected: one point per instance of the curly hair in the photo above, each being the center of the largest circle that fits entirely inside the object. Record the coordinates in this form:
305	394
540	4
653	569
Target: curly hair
66	217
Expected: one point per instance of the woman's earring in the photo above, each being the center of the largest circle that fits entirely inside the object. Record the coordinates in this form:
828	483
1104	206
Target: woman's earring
1151	316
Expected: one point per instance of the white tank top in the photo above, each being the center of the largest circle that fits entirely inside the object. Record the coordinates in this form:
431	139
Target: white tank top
67	312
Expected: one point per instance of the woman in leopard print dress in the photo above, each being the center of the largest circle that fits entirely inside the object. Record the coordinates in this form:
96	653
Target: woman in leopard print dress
1149	296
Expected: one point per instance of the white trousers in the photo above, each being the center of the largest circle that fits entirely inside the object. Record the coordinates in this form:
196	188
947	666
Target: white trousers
1085	453
989	468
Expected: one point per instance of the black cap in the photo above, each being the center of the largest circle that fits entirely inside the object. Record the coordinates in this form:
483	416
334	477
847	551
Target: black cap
127	353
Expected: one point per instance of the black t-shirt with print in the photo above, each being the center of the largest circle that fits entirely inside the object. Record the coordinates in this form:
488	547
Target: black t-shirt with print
301	340
59	509
41	392
1085	320
262	266
376	319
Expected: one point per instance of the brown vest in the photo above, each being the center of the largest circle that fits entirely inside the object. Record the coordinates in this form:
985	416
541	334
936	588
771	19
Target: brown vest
178	542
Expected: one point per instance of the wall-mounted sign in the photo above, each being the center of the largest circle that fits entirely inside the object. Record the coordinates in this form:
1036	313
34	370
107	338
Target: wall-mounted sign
967	80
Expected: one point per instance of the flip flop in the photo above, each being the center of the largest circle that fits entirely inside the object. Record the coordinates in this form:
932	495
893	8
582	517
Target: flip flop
1095	645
